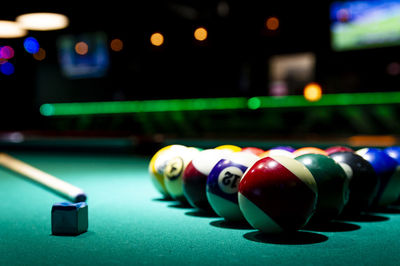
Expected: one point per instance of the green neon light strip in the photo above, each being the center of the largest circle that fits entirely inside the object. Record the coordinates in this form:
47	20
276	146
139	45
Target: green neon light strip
89	108
326	100
142	106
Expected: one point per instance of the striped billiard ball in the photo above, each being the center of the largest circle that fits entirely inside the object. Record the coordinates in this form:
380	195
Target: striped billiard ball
173	173
277	194
157	165
223	184
195	176
332	183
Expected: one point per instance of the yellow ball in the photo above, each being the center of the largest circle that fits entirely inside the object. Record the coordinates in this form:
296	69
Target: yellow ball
157	165
229	147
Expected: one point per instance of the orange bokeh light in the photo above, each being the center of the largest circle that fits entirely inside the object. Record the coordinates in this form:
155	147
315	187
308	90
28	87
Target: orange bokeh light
312	92
272	23
116	45
40	55
157	39
200	34
81	48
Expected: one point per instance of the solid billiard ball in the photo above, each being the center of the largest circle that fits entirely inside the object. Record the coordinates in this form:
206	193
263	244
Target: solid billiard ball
173	173
286	148
157	165
332	183
363	181
394	152
228	147
195	176
253	150
388	173
223	183
307	150
277	194
334	149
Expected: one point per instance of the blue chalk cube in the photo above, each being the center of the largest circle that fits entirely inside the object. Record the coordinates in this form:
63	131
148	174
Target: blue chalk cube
69	218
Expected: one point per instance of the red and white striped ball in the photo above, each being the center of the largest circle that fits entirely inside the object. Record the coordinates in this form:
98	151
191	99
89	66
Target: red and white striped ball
277	194
196	173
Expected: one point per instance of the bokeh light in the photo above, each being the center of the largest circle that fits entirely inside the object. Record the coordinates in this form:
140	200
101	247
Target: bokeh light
312	92
31	45
272	23
116	45
157	39
393	68
11	29
200	34
81	48
7	68
6	52
43	21
40	55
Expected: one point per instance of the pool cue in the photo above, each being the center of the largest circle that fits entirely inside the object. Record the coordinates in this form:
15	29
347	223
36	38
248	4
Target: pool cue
48	181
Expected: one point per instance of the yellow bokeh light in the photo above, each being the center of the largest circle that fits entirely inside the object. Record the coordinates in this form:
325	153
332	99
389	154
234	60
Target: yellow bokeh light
157	39
43	21
11	29
200	34
40	55
272	23
81	48
312	92
116	45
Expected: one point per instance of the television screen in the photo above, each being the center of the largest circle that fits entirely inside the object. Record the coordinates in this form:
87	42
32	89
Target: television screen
364	24
83	56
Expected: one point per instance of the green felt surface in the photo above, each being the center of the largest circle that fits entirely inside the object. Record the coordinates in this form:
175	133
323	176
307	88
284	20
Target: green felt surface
130	225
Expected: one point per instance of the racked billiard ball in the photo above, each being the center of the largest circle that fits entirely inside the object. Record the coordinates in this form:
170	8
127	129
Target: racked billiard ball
276	152
363	181
157	165
332	183
335	149
223	183
388	173
394	152
253	150
173	173
195	176
307	150
277	194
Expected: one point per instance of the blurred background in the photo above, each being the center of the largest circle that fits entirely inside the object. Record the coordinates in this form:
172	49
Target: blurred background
162	71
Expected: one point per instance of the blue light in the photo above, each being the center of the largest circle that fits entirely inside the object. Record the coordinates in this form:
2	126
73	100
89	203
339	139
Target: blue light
7	68
31	45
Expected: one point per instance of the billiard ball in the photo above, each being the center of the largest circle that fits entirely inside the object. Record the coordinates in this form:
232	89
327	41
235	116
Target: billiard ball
363	184
276	152
332	183
388	173
223	183
228	147
253	150
173	173
334	149
157	165
277	194
307	150
394	152
286	148
195	176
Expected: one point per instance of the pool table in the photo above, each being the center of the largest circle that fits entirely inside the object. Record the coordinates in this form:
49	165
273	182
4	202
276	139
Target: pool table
130	224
